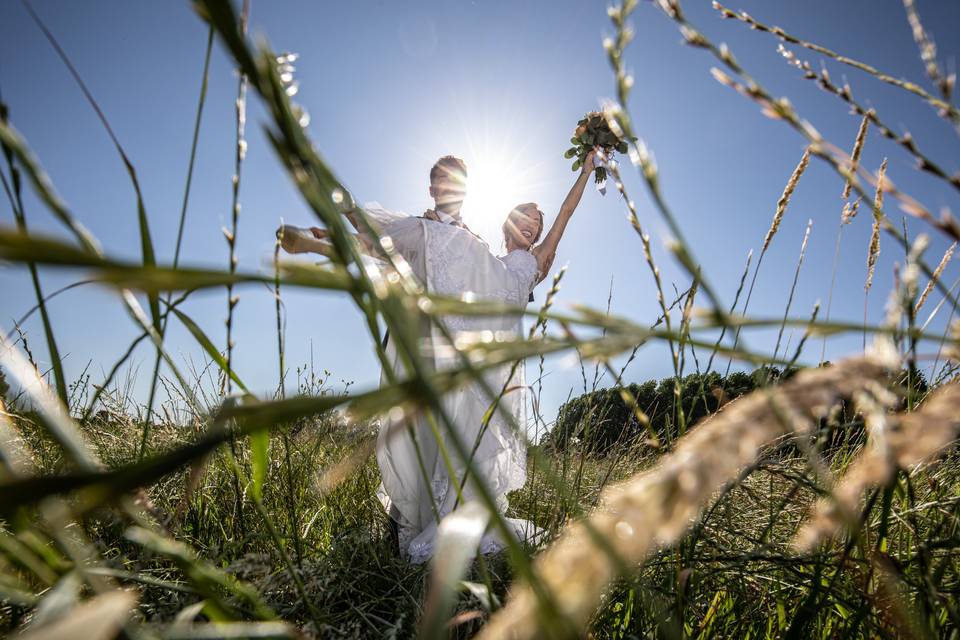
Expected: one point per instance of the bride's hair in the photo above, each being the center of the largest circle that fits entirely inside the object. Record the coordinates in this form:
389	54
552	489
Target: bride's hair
523	209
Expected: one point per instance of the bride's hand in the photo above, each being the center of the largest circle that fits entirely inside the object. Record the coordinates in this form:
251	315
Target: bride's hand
590	161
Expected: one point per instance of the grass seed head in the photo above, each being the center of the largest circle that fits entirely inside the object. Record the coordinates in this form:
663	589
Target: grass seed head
936	275
874	249
785	197
857	151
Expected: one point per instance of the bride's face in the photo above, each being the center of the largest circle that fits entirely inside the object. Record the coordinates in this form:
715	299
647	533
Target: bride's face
523	227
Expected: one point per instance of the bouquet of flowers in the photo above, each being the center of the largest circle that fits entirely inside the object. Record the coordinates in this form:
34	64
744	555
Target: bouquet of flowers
594	131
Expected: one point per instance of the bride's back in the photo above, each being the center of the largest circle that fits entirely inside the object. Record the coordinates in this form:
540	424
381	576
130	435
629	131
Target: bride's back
460	264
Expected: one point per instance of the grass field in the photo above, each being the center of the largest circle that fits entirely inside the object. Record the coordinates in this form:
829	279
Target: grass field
823	505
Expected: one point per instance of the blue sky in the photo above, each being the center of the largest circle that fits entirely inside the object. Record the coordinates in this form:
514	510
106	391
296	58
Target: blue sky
391	86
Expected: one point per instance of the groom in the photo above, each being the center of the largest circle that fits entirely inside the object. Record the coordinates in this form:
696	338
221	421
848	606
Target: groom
448	177
415	489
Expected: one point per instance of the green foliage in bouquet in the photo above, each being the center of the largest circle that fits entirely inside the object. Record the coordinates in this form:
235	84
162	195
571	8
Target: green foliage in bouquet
594	131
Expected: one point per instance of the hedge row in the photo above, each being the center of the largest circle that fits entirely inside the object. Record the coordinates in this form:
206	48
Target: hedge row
598	421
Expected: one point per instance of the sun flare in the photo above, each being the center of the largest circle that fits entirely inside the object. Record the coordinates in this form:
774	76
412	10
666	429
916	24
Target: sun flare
492	190
497	181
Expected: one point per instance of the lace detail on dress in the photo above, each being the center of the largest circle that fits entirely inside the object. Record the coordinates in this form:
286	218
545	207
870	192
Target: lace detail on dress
453	274
524	265
440	485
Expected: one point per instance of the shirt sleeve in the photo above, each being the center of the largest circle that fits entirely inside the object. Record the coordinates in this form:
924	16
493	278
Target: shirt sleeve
408	239
380	217
405	232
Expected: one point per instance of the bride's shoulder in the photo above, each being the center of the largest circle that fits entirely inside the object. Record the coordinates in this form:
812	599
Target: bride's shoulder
519	255
520	259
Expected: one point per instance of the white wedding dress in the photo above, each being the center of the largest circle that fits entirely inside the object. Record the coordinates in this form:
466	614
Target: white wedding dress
452	261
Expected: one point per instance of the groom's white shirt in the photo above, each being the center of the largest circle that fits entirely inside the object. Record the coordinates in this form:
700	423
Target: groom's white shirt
408	234
444	217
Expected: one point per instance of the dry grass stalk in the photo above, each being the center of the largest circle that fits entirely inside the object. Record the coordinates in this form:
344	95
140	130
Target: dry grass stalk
781	108
15	458
874	249
231	234
850	211
936	275
944	108
928	52
857	150
103	616
785	197
654	508
845	93
54	415
907	440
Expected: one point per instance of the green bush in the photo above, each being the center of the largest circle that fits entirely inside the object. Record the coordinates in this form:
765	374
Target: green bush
599	421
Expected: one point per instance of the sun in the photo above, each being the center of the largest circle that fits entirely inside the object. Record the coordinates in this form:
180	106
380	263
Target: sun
502	151
497	181
492	187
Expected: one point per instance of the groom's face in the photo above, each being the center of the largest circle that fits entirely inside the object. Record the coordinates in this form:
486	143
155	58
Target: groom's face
449	188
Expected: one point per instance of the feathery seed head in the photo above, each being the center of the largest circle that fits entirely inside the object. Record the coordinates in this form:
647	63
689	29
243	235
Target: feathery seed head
785	197
947	256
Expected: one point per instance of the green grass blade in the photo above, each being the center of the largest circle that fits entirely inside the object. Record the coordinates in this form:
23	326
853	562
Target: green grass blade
16	204
205	578
260	459
44	188
208	347
146	243
19	247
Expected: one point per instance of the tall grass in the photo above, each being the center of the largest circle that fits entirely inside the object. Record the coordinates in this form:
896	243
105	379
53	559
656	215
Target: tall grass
823	505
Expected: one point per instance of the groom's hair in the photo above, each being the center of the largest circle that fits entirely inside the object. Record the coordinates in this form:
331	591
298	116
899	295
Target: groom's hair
448	166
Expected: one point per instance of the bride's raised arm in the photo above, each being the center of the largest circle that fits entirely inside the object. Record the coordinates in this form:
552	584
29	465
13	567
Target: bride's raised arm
546	251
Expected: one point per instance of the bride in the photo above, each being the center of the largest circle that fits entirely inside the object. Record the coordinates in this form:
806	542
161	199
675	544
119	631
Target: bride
448	259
